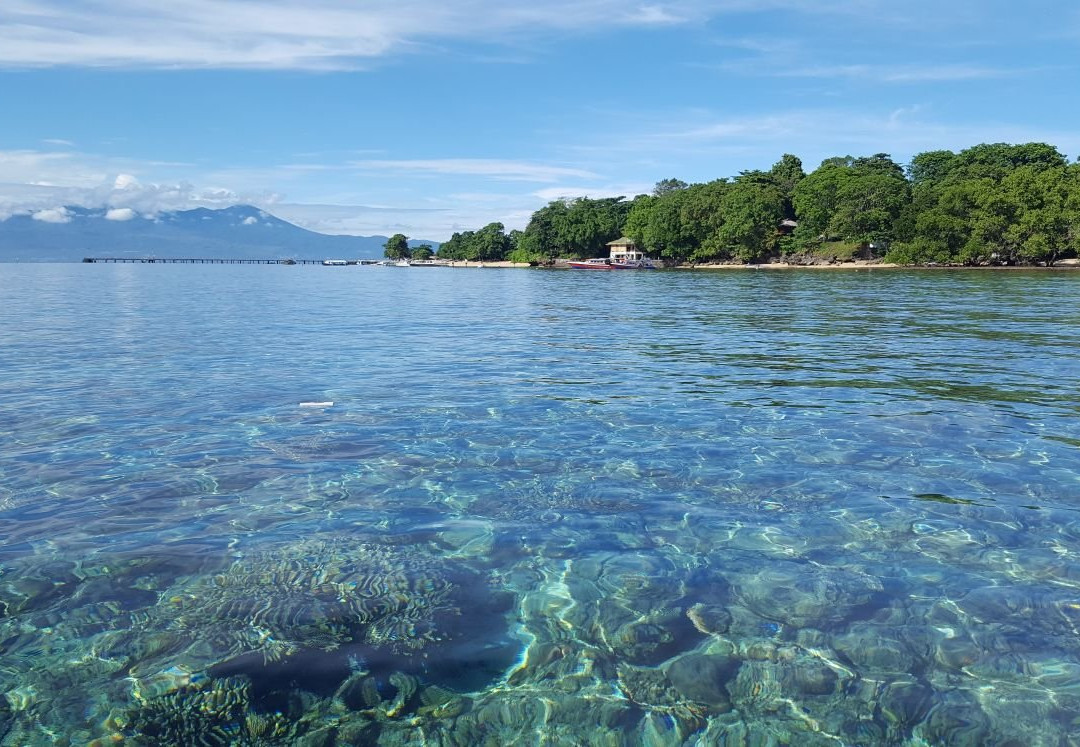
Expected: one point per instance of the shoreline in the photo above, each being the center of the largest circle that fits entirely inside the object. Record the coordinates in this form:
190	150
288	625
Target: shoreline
859	264
483	265
1066	264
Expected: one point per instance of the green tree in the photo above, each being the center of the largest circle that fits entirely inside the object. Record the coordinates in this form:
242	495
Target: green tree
396	247
541	238
677	224
490	244
816	198
858	200
667	186
992	203
589	224
656	224
786	174
871	201
455	247
701	216
517	252
752	208
421	252
931	167
996	160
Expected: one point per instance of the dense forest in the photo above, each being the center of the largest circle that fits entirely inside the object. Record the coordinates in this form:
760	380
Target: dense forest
990	204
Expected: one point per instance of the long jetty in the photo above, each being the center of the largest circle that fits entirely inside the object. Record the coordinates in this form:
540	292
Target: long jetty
219	261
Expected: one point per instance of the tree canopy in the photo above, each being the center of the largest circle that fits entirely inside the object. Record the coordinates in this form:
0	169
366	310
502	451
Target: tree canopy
424	251
989	204
396	247
489	244
580	227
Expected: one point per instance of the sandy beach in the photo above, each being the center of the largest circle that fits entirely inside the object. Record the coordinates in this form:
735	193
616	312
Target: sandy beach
466	263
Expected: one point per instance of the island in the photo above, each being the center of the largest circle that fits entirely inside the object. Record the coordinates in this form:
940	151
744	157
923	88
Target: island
990	205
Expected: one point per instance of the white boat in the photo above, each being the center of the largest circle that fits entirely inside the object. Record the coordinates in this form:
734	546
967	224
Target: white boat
634	264
402	263
334	262
597	263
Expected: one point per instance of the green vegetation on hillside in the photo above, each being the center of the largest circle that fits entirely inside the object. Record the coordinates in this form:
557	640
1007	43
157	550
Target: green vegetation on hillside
990	204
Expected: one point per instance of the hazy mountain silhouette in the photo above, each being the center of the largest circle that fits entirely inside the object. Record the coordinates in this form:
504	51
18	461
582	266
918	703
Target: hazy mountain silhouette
240	232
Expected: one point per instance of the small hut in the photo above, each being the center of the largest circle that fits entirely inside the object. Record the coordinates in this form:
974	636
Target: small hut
625	250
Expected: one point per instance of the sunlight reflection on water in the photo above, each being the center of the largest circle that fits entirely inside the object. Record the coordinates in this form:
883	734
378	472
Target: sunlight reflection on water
656	508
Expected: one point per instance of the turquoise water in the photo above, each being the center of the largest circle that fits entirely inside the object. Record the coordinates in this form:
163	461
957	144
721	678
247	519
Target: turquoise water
544	508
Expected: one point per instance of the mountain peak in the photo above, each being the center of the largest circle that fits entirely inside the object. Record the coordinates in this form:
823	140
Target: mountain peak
240	231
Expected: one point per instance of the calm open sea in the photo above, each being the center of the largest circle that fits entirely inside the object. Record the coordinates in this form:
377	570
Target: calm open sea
545	507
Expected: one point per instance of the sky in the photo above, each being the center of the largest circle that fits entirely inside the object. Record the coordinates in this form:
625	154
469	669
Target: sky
427	117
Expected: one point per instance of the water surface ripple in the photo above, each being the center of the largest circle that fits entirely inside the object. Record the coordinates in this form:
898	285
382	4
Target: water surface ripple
545	507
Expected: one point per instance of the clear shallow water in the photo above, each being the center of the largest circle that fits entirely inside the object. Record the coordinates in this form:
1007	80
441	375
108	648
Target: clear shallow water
545	507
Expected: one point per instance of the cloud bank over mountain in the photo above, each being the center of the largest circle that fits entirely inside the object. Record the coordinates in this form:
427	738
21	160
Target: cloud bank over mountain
429	117
70	233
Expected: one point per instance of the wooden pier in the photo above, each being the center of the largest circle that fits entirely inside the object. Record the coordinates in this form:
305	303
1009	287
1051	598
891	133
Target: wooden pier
219	261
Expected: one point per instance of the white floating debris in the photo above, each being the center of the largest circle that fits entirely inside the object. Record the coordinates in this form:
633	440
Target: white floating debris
316	404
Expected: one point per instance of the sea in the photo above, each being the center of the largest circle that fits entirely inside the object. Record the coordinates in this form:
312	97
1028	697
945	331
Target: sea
305	505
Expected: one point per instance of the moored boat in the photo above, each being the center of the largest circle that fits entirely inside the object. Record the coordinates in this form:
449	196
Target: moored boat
634	264
625	255
598	263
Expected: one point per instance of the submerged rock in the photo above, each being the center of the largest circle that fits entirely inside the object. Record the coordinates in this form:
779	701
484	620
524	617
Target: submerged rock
813	678
957	720
904	703
957	652
1023	609
806	596
873	651
703	678
709	619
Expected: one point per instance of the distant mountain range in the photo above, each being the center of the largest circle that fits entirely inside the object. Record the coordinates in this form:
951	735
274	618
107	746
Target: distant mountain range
238	232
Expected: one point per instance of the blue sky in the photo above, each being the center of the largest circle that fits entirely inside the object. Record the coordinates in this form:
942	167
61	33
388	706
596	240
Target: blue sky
432	116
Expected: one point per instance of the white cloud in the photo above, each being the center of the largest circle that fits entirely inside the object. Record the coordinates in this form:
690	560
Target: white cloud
886	73
944	73
34	181
498	169
813	134
52	215
629	191
119	214
653	15
452	213
41	166
251	220
345	34
319	35
58	141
